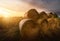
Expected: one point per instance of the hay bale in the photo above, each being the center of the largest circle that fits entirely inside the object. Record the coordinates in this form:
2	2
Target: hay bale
28	29
43	15
52	15
54	25
39	21
44	27
49	28
32	14
59	22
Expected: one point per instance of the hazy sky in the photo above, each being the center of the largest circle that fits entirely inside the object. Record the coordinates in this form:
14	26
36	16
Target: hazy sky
19	7
45	4
15	7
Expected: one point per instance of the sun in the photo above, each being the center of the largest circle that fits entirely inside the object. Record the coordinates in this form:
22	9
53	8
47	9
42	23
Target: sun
4	12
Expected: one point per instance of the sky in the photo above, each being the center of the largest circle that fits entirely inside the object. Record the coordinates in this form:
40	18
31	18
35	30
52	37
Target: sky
46	4
13	7
19	7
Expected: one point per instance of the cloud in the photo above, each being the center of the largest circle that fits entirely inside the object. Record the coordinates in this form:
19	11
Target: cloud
24	5
18	6
45	4
15	5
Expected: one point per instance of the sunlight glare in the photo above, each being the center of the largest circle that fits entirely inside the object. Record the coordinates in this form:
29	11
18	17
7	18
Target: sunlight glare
4	13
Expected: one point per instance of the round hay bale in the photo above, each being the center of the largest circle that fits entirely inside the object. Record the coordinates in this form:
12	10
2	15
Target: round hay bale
54	25
32	14
52	15
43	15
44	29
39	21
28	29
44	26
59	22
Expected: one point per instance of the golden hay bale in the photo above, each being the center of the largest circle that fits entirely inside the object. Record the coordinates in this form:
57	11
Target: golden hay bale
43	15
44	26
52	15
32	14
59	21
54	24
44	29
39	21
28	29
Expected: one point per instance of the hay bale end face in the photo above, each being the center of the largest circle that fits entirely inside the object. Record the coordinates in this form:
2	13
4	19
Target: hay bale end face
52	15
43	15
32	14
54	22
29	29
54	25
44	26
